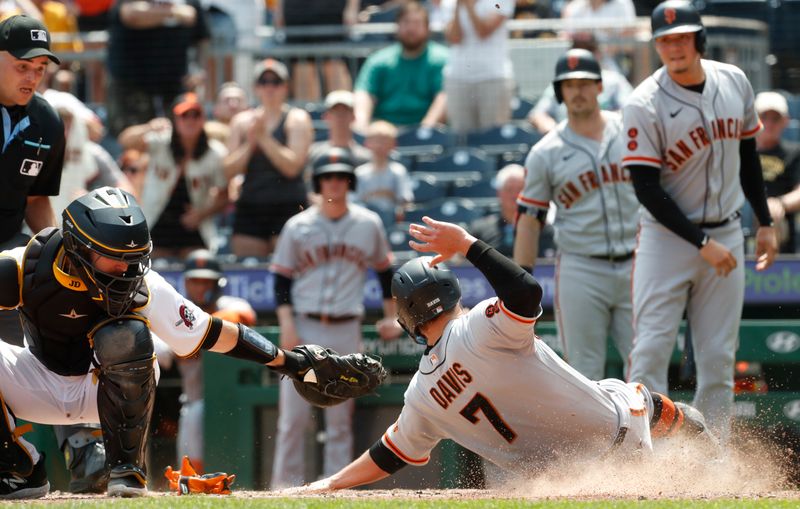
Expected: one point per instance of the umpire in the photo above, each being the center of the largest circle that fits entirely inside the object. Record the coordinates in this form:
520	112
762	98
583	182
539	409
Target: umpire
33	134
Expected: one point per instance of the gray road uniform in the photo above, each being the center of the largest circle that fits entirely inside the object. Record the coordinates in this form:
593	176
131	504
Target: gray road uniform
536	411
693	139
327	262
595	232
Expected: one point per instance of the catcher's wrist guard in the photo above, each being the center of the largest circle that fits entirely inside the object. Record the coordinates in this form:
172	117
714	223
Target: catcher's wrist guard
252	346
294	365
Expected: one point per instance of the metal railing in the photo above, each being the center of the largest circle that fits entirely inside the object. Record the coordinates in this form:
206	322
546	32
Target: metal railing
738	41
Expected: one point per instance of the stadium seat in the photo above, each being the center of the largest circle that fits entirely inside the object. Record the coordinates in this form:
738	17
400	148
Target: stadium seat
387	216
455	210
794	106
315	109
427	188
463	162
419	141
474	189
520	108
398	237
321	131
507	143
792	131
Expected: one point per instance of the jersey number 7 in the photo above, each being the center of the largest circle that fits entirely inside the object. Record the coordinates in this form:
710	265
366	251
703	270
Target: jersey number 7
480	402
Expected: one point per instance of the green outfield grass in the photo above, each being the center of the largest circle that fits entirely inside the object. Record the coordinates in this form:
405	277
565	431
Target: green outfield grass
212	502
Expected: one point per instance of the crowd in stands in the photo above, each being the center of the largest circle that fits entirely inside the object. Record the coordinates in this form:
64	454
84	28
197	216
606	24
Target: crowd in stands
432	112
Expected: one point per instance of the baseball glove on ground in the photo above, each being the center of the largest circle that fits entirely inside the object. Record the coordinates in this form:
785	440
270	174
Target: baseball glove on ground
335	378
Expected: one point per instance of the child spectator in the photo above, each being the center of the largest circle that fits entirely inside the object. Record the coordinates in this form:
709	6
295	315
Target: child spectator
382	184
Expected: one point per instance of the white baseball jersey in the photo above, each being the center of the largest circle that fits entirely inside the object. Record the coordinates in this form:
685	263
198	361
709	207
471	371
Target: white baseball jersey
597	210
328	259
693	138
73	399
492	387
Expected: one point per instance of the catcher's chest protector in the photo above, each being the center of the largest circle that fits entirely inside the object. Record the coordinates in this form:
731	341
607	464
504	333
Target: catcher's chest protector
57	311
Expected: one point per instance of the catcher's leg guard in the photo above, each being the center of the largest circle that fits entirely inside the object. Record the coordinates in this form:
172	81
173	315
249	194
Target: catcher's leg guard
123	348
85	457
14	456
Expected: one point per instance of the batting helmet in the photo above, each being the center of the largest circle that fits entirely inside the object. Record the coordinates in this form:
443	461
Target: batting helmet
575	64
678	17
201	264
422	293
108	222
335	160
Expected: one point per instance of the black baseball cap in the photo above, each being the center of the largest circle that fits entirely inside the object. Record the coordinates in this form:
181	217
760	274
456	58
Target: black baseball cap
25	38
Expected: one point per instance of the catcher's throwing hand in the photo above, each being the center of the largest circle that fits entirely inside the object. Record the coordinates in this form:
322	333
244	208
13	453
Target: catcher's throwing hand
332	378
445	239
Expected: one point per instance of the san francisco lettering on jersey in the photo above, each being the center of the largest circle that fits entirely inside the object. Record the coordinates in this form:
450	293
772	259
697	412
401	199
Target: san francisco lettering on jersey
587	181
327	253
683	149
450	385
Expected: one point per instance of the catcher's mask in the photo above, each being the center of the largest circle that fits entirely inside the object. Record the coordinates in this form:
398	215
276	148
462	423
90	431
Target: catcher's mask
108	222
422	293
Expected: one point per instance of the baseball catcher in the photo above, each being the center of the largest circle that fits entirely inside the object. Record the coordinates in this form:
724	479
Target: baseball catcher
90	305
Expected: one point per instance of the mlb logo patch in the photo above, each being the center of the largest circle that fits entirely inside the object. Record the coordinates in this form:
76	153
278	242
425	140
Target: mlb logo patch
39	35
31	167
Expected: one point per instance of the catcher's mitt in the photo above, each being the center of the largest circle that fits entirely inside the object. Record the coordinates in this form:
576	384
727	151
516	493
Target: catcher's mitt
335	378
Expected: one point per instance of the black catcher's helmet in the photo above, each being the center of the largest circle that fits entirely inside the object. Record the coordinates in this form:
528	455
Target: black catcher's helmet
678	17
575	64
422	293
335	160
201	264
108	222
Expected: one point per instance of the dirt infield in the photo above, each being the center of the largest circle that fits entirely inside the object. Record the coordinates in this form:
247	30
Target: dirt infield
676	471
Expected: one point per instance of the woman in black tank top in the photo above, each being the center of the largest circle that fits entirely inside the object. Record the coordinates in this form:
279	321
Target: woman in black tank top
268	145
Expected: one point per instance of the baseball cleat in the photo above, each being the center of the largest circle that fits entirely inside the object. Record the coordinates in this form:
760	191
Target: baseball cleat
694	425
17	487
127	481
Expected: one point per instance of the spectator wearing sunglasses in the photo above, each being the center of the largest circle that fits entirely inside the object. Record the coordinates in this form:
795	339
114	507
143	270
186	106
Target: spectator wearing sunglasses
268	147
184	185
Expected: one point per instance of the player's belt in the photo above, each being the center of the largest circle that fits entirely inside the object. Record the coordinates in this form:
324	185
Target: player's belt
733	217
614	258
330	318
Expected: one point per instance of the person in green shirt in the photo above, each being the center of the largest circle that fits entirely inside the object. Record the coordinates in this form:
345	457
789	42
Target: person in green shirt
402	83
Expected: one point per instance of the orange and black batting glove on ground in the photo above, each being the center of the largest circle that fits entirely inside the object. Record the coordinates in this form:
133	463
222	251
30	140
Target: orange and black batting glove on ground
188	481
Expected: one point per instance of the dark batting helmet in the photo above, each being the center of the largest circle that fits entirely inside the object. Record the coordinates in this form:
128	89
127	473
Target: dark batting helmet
109	223
335	160
201	264
678	17
575	64
422	293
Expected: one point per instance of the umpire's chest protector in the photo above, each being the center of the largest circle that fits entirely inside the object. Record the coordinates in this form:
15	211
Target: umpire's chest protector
57	311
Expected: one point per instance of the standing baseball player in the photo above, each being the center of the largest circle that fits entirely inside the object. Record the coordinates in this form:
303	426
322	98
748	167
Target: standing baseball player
578	166
88	302
689	132
320	267
204	283
487	383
